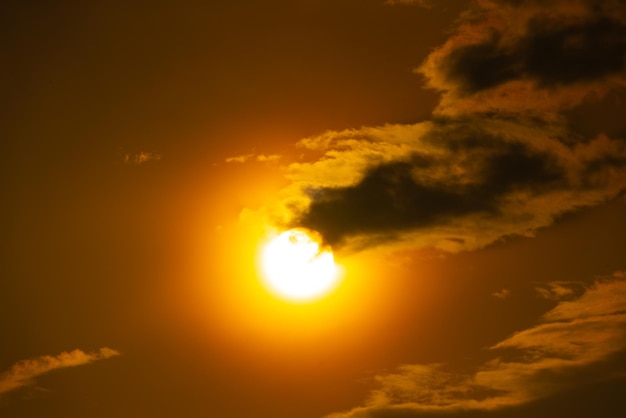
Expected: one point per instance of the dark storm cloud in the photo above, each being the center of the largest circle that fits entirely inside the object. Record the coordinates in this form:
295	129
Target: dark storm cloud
498	158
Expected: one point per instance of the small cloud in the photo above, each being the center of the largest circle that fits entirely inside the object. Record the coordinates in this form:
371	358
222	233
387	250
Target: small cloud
501	294
558	290
141	157
239	158
261	158
24	373
268	158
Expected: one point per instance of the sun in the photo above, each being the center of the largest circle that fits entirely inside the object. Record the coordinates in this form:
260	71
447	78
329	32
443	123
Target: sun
296	267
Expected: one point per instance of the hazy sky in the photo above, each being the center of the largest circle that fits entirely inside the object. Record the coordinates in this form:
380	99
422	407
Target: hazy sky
465	160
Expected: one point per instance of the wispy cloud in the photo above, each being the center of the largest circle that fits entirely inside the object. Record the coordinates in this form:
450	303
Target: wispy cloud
268	158
565	350
501	294
558	290
141	157
239	158
25	372
261	158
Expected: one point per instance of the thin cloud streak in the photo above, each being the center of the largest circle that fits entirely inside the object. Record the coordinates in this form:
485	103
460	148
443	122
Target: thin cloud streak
501	294
25	372
141	157
558	290
239	158
565	350
261	158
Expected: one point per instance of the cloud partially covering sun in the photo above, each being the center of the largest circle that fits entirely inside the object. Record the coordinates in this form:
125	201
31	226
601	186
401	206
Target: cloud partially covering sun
498	157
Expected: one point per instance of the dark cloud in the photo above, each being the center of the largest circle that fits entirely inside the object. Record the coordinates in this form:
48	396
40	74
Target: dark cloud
530	57
399	195
453	184
499	157
479	67
550	54
576	53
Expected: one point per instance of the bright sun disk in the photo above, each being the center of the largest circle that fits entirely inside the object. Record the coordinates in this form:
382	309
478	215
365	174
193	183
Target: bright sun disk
296	267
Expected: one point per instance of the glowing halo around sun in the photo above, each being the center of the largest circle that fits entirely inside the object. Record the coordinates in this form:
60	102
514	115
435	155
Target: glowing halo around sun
297	268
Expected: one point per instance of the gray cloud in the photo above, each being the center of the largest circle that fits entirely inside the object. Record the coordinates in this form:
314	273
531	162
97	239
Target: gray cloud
567	349
530	57
551	53
498	158
454	184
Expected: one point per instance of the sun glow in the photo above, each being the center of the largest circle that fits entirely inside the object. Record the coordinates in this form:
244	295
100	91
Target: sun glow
296	267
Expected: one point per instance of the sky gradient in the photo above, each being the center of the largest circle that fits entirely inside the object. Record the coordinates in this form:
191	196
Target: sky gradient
465	160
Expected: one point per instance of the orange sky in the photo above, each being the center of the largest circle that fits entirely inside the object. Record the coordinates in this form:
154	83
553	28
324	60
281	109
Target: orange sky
465	160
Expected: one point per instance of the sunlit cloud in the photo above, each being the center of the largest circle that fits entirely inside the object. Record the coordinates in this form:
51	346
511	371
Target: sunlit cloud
501	294
239	158
566	349
268	158
25	372
452	184
261	158
558	290
498	158
141	157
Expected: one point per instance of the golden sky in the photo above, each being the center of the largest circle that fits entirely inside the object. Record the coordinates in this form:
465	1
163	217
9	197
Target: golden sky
465	161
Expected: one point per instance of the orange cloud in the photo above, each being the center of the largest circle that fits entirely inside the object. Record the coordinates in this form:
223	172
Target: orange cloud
453	184
261	158
565	350
141	157
558	290
501	294
499	157
25	372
